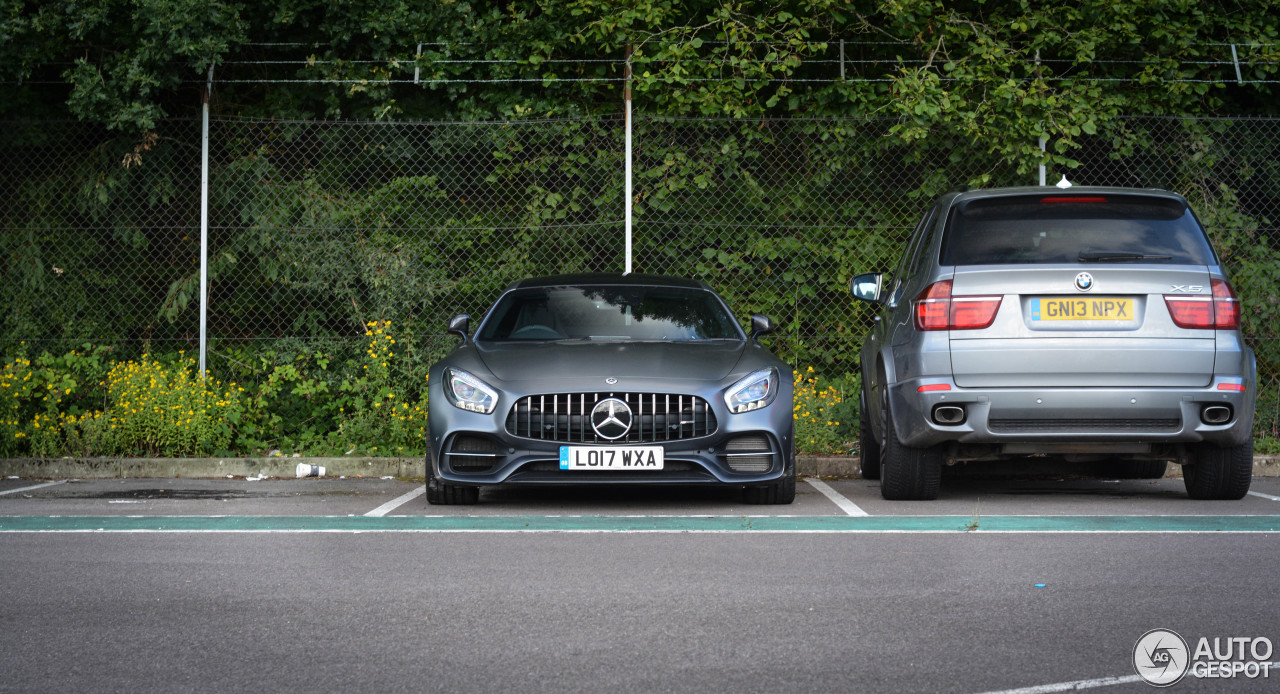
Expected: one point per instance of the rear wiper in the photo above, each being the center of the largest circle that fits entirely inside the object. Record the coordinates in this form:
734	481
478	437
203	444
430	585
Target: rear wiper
1114	256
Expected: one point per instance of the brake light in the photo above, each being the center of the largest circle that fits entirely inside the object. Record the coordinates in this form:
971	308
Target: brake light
1221	311
1226	307
1074	198
936	309
933	305
1190	311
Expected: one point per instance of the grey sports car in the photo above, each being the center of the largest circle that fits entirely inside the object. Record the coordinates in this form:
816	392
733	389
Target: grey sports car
1091	324
610	379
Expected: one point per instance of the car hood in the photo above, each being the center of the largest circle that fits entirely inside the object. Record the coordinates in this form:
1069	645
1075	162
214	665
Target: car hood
708	361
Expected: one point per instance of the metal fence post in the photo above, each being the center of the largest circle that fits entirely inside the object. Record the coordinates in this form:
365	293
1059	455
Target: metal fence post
1043	142
1042	139
204	226
626	96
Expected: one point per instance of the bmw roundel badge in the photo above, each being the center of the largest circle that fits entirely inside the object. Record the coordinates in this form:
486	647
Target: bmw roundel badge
1084	281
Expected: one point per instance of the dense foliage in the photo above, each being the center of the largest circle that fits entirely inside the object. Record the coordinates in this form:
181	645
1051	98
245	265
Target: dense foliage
91	402
990	70
333	208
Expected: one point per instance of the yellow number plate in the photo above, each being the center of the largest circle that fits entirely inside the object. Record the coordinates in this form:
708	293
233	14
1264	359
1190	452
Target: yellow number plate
1080	308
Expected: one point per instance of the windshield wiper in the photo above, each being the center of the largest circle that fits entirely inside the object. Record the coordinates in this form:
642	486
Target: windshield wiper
1115	256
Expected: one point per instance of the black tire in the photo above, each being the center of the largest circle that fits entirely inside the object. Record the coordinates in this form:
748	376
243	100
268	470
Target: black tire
868	446
1219	473
908	474
780	491
1134	469
442	494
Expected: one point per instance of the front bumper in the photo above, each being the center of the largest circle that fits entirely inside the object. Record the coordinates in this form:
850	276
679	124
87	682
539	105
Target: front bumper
475	449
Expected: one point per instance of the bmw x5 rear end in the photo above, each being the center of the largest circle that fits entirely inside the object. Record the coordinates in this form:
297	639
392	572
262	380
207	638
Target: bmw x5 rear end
1090	324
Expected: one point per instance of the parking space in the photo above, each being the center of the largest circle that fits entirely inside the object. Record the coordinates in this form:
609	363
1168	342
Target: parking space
200	497
1051	496
334	497
1027	495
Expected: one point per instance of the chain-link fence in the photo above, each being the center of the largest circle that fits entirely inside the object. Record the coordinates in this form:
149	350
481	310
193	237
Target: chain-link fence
318	228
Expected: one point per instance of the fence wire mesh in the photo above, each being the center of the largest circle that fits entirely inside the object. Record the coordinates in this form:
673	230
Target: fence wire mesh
317	229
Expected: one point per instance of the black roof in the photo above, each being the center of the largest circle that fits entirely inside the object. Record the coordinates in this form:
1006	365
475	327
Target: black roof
613	278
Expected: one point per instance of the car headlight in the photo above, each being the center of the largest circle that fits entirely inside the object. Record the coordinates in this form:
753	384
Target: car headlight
468	392
755	391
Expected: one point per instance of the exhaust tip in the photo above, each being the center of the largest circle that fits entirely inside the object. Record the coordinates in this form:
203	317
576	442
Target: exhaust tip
948	415
1215	414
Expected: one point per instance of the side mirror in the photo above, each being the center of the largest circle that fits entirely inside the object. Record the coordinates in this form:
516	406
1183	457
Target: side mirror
459	324
867	287
761	325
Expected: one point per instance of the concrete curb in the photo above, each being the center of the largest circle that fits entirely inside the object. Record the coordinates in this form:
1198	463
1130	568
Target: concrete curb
280	466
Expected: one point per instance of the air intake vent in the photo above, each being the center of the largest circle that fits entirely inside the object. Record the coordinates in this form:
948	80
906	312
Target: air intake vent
472	454
655	417
748	453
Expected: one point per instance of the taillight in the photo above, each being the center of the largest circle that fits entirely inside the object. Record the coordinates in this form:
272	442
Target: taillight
932	306
1221	311
1226	307
936	309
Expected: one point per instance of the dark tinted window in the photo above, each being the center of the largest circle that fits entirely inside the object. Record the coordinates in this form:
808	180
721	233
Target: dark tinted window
1067	228
914	253
609	313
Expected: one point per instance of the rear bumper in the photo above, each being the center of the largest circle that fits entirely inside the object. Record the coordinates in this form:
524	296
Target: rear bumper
1070	415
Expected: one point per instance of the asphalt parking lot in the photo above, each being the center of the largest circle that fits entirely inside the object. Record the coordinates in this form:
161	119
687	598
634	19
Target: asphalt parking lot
1032	583
970	497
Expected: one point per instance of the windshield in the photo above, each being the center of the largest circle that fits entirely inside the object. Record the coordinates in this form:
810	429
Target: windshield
609	313
1057	228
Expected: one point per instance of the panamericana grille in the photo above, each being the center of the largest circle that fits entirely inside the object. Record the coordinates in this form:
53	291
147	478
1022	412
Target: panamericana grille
566	417
1055	426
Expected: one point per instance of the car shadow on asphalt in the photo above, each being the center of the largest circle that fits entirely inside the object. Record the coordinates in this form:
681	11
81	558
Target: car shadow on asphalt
588	498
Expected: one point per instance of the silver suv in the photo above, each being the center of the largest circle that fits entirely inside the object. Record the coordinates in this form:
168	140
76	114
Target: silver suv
1087	324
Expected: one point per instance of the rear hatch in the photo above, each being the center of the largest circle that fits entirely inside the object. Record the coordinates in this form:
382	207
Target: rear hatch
1083	282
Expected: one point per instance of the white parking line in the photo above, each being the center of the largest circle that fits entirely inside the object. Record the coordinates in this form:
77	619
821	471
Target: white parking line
27	489
1090	684
394	503
1071	686
1265	496
845	505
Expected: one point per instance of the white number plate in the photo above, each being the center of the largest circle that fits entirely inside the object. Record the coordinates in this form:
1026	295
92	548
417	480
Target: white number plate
611	458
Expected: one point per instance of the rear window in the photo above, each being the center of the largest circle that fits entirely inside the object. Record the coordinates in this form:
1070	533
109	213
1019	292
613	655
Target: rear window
1087	228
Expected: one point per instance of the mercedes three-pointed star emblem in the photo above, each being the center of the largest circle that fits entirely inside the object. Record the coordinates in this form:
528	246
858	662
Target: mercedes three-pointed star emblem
611	418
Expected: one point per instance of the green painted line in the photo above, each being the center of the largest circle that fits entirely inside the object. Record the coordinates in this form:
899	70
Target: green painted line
633	524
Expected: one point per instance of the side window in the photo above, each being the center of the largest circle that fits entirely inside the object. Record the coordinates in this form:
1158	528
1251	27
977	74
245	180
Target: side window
913	255
925	237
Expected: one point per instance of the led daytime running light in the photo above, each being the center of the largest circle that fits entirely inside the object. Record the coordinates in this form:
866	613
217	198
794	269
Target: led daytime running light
754	392
469	393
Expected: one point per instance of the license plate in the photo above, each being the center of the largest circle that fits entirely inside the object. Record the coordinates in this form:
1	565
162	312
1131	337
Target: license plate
1075	308
611	457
